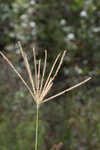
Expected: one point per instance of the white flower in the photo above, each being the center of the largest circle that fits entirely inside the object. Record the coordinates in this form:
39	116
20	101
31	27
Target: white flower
32	24
83	14
70	36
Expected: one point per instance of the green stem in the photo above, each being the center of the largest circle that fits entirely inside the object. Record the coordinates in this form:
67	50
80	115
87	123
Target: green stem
37	119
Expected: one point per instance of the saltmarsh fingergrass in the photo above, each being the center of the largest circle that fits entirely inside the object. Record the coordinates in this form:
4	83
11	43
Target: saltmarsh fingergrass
39	87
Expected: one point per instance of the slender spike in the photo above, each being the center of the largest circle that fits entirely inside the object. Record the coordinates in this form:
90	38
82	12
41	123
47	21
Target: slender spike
27	66
44	68
12	66
45	92
69	89
35	68
59	65
39	75
51	71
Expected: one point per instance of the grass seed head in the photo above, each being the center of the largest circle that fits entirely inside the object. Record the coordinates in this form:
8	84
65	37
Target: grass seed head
39	89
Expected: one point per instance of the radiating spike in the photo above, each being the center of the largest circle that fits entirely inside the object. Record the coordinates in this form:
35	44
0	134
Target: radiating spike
69	89
38	79
27	66
51	71
45	92
44	68
35	68
59	65
12	66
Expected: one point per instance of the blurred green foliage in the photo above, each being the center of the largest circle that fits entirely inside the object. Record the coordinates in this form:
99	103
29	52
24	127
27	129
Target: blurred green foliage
55	25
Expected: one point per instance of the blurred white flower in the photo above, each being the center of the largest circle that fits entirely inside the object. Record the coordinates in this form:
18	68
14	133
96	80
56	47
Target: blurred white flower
32	24
70	36
63	22
32	2
83	13
23	17
97	29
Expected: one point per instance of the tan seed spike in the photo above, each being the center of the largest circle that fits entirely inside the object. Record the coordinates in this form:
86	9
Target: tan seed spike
27	66
12	66
45	92
46	88
44	68
59	65
69	89
38	78
35	69
51	70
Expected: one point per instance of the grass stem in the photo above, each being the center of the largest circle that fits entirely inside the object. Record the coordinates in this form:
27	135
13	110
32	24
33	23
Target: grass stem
37	119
